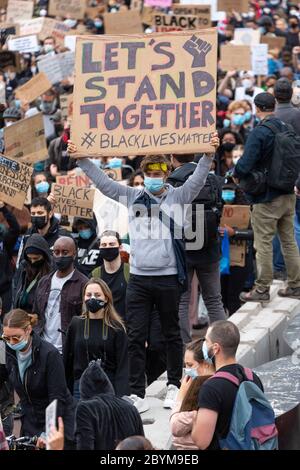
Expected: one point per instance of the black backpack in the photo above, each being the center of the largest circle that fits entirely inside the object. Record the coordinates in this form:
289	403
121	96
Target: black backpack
284	167
210	196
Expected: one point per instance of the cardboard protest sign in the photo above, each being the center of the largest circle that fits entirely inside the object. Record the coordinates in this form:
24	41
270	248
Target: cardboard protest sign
163	22
239	217
15	179
76	8
158	3
241	6
3	4
274	42
43	28
25	140
93	12
34	88
215	14
9	59
24	44
235	57
260	59
147	14
246	36
19	10
145	93
203	11
80	180
57	67
129	22
73	201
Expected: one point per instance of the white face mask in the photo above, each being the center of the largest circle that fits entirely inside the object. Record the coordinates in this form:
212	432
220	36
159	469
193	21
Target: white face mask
8	123
247	83
48	48
235	160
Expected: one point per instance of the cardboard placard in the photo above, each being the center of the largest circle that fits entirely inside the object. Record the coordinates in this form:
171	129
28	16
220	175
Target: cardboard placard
57	67
147	14
163	23
158	3
215	14
129	22
80	180
3	4
274	42
94	12
241	6
24	44
73	201
235	57
246	36
9	59
25	140
260	59
15	179
45	27
203	11
19	10
239	217
76	8
34	88
166	104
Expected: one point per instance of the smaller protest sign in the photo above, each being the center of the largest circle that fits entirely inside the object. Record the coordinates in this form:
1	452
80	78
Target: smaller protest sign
235	57
34	88
24	44
274	42
158	3
73	201
236	217
246	36
260	59
19	10
241	6
215	14
15	179
45	27
163	22
25	140
80	180
66	7
126	21
57	67
94	12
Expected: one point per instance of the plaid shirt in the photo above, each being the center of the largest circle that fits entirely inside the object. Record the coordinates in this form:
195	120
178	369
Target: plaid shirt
3	442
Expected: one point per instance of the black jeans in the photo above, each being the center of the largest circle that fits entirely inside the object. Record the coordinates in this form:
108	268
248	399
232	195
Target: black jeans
143	292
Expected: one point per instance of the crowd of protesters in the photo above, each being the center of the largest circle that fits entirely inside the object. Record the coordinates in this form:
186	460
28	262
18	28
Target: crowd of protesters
90	318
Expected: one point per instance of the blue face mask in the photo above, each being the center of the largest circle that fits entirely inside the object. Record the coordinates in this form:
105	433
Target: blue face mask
226	123
18	104
19	346
238	119
247	115
85	234
42	187
115	163
191	373
206	356
154	185
228	195
38	166
262	30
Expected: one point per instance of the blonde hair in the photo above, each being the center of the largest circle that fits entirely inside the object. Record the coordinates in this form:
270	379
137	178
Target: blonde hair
111	318
18	318
236	105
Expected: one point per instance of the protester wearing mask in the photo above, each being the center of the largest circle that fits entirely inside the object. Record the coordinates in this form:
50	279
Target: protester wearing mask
292	37
88	253
51	114
154	279
229	139
37	263
49	46
59	160
98	334
36	371
217	396
247	90
9	232
58	295
41	187
43	222
184	412
10	116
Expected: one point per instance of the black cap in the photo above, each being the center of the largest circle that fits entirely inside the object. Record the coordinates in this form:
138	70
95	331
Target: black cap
265	20
265	101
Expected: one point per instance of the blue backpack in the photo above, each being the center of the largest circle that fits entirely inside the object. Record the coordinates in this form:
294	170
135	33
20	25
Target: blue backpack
252	424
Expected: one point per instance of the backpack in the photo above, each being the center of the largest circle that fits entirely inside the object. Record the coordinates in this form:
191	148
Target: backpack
284	167
252	425
97	272
210	196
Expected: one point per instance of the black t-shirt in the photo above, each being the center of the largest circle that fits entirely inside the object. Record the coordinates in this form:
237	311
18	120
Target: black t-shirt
219	395
118	285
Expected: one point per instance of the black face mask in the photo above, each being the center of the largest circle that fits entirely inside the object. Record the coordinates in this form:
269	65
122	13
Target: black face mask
37	264
94	305
228	146
109	254
39	221
63	263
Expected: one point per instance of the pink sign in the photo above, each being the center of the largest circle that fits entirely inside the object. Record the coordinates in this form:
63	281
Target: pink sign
158	3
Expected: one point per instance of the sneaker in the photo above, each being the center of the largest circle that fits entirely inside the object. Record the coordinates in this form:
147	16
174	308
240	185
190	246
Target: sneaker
171	396
255	295
141	404
291	292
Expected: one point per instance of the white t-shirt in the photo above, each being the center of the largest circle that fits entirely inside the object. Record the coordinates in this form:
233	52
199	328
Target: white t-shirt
52	313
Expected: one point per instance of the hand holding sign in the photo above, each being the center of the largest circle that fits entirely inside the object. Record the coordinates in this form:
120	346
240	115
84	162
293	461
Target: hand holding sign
198	49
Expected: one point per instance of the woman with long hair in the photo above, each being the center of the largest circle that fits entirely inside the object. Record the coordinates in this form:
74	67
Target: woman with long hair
36	371
184	412
98	334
